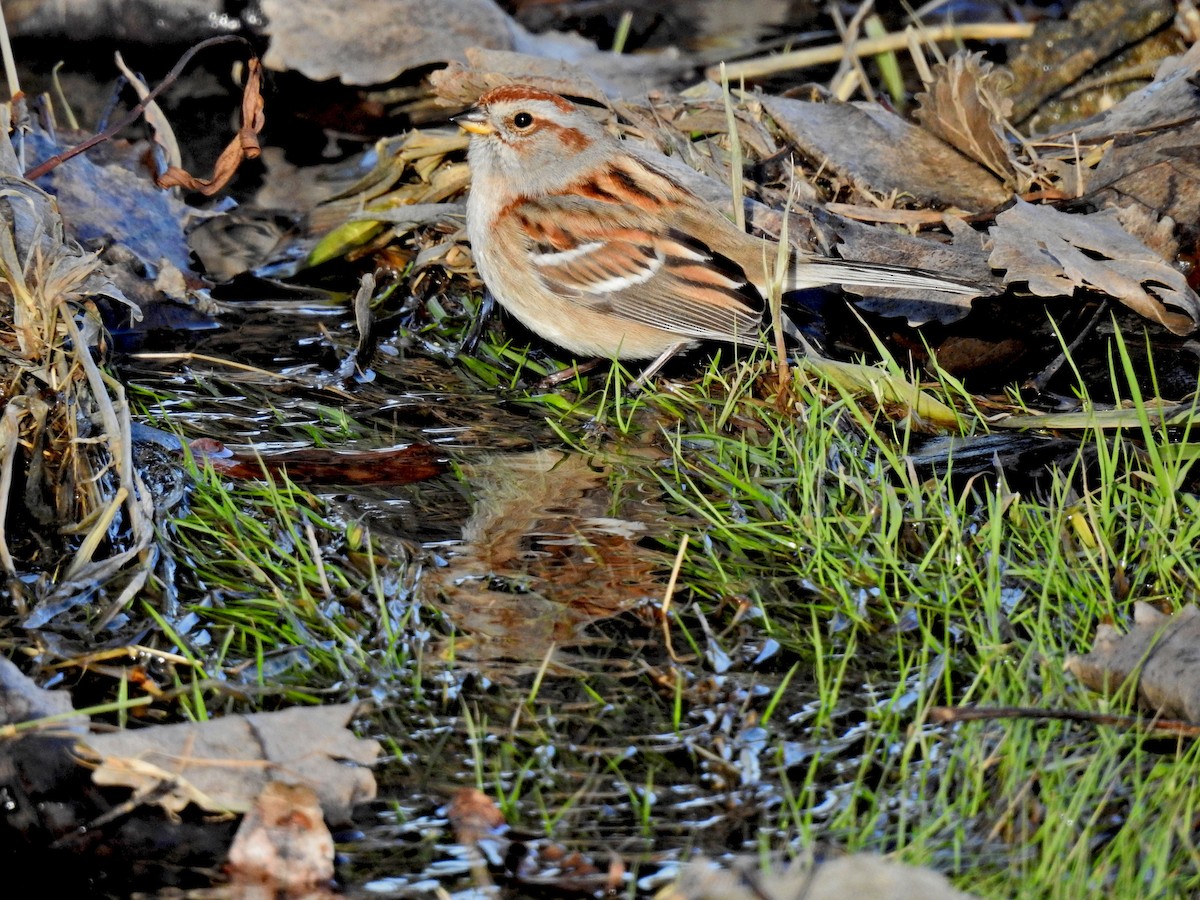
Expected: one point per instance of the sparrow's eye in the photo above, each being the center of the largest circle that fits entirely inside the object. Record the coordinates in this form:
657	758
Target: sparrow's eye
522	120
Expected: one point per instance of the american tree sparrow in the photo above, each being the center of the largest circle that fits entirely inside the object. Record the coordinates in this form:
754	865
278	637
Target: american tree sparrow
594	248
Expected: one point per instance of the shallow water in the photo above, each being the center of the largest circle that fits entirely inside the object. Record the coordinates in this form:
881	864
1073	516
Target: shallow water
596	724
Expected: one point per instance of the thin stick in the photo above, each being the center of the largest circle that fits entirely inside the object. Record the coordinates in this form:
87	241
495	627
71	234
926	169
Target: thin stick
188	356
830	53
842	85
668	594
736	183
944	714
779	274
10	64
10	435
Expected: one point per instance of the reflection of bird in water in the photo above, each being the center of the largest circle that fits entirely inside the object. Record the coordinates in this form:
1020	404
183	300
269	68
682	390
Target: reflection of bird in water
541	557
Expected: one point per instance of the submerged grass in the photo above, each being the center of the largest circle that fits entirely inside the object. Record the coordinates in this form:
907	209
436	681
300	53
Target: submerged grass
293	606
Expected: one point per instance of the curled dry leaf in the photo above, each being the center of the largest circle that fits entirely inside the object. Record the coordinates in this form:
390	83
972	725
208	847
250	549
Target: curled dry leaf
1161	652
243	146
1055	253
406	189
965	106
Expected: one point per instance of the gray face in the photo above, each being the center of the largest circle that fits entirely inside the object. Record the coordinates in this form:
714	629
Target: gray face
532	143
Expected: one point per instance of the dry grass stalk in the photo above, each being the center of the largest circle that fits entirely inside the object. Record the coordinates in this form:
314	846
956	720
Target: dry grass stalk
72	507
830	53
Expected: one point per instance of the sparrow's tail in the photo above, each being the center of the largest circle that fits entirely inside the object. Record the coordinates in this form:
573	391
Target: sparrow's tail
809	273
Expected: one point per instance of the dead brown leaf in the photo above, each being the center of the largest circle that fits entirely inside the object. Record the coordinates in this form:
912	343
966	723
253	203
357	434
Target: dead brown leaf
115	203
405	464
474	816
1169	100
1145	145
1159	171
283	840
882	153
1161	652
375	43
223	764
1155	231
965	106
1056	252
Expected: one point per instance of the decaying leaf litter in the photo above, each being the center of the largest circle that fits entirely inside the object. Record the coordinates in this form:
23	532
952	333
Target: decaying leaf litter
775	570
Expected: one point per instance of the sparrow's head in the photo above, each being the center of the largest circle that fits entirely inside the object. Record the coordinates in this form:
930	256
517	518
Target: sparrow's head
533	138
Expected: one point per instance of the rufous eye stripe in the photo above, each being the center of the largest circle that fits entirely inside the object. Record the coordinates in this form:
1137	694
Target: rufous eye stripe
572	139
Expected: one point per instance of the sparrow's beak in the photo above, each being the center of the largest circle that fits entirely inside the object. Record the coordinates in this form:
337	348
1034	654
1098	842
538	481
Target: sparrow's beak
473	120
